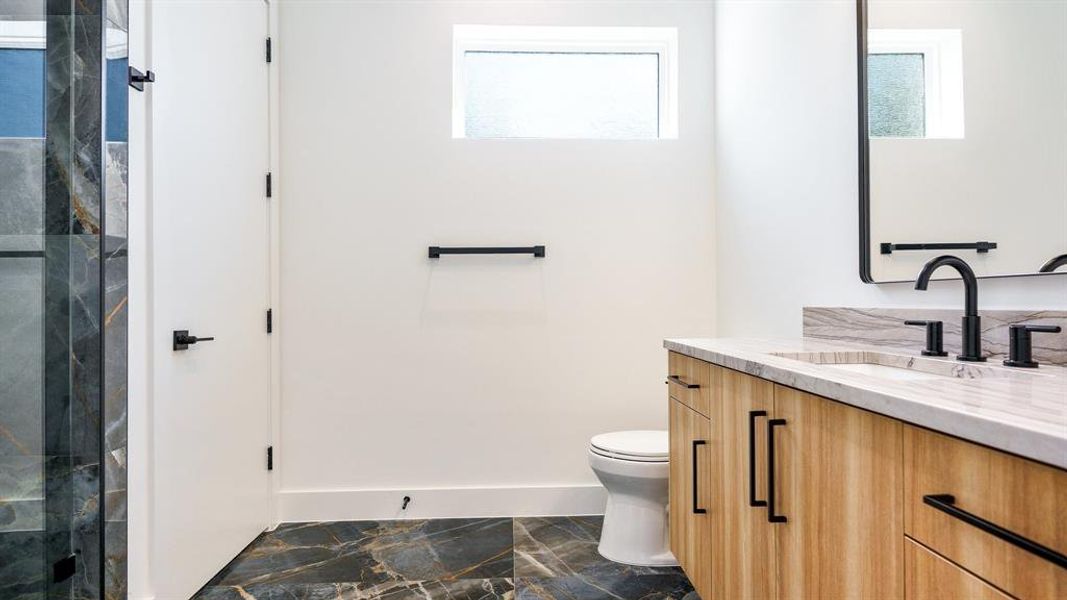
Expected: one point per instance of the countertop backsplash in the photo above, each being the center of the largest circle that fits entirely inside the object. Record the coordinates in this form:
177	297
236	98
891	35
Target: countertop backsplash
885	327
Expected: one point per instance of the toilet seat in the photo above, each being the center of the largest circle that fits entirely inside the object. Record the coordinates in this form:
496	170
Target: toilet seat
634	446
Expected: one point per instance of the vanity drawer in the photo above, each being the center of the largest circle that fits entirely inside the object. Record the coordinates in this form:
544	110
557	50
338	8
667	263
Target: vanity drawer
692	382
931	577
957	493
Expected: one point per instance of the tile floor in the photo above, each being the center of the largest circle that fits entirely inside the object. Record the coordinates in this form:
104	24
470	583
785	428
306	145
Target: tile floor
456	559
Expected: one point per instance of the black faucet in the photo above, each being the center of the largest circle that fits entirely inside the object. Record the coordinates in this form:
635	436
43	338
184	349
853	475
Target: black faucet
972	323
1054	263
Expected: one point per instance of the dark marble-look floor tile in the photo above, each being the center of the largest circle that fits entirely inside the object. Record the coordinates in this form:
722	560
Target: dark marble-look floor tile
459	589
567	546
623	587
376	552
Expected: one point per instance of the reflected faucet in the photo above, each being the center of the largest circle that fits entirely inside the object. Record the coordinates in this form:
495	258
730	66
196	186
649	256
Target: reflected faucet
972	323
1053	264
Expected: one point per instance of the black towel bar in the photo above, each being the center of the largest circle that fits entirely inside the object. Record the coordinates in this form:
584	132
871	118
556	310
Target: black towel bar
981	247
537	251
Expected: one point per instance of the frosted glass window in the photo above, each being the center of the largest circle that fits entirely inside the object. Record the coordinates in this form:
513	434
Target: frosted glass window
896	95
562	95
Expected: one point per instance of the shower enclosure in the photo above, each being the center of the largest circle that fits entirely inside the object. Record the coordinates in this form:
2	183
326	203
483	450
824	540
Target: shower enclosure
63	157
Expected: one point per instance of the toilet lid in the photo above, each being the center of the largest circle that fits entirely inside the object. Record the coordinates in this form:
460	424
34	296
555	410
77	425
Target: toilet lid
636	444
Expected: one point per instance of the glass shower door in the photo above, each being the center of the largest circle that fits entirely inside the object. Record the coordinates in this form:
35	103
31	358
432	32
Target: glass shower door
62	287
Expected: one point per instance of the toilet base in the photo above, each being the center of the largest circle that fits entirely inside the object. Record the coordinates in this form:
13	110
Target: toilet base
635	533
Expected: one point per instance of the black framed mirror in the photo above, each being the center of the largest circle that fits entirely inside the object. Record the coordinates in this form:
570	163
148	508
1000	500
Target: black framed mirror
962	136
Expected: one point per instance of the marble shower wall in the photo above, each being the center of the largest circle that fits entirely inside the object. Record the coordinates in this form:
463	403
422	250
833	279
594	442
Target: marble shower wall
116	236
115	372
885	327
21	409
21	373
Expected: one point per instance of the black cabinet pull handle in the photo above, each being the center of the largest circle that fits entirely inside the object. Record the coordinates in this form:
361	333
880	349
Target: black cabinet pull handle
678	380
771	516
696	476
752	416
946	503
182	340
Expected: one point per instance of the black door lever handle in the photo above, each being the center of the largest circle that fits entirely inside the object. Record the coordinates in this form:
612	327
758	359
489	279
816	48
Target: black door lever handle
182	339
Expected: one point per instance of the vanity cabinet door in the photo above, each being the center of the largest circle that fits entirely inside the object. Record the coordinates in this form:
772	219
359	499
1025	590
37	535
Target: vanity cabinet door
839	478
747	548
691	506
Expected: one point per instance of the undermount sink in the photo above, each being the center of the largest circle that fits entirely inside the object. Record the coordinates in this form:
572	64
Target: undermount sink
899	367
885	371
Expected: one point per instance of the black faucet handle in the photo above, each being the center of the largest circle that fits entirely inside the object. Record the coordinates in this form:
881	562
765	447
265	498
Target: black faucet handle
935	336
1020	347
1037	328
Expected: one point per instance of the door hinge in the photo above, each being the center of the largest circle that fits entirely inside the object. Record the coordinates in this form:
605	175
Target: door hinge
270	320
270	186
268	50
270	458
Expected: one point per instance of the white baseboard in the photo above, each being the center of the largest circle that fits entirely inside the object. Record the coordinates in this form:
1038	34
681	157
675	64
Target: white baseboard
439	503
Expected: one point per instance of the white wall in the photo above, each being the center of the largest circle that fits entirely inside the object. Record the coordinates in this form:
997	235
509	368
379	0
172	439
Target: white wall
786	199
472	372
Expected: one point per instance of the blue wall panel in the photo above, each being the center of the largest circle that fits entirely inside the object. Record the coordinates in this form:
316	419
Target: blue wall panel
21	92
117	98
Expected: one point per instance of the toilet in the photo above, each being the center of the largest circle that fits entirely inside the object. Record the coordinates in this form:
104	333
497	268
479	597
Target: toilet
633	467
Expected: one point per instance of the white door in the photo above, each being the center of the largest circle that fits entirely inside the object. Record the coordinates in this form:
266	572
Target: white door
209	156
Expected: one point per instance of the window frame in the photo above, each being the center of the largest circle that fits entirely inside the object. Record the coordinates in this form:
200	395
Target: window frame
662	41
942	51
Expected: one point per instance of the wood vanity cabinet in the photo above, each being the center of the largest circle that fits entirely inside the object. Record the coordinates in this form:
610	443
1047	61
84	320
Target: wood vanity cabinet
839	478
747	536
836	530
944	475
929	575
809	498
695	462
690	491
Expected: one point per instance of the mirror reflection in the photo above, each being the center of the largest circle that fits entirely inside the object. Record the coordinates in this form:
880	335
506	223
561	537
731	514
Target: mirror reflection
967	135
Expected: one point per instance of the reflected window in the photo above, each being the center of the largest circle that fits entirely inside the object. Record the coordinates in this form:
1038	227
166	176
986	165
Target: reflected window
915	83
896	95
564	82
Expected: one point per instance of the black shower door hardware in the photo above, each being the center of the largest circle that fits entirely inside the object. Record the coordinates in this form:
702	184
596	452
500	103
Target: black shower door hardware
536	251
981	247
771	516
946	503
752	416
696	477
21	253
182	339
138	79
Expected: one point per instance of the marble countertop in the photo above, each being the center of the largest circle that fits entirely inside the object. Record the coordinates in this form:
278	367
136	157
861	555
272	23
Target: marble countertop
1022	411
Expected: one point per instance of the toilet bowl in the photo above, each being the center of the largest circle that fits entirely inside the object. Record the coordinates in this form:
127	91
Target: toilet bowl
633	467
